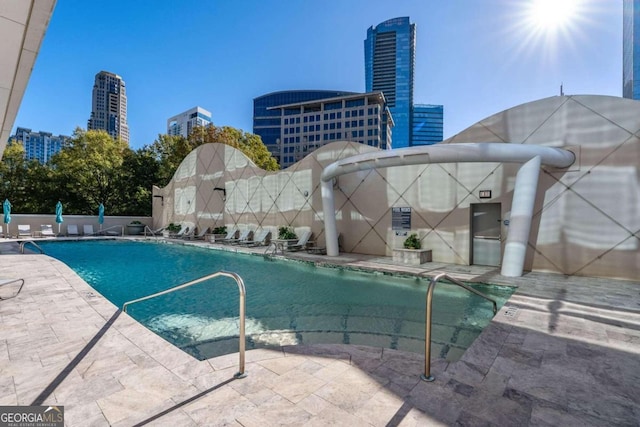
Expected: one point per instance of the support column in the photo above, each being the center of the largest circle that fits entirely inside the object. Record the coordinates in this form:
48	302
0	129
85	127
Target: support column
329	213
524	196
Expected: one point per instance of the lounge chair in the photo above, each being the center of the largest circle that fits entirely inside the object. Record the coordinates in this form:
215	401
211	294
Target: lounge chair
245	236
2	232
87	230
188	234
183	229
301	244
24	230
8	282
47	230
72	230
260	239
230	236
201	234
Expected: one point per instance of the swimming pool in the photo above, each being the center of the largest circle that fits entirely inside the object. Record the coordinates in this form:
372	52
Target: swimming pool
287	302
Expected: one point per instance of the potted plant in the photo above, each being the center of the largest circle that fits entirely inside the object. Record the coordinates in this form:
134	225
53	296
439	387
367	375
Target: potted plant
412	242
135	228
286	233
219	233
171	229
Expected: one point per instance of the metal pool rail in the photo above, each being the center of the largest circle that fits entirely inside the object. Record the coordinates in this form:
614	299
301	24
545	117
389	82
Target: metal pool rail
427	333
241	288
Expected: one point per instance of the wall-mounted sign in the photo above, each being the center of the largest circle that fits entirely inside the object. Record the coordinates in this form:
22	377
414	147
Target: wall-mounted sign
401	218
485	194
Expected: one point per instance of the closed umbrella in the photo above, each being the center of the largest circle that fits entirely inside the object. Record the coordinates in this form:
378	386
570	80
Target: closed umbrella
59	214
6	208
101	215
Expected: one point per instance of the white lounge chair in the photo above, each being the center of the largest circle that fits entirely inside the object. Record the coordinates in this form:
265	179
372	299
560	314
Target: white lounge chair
72	230
231	235
260	239
87	230
200	235
245	236
47	230
24	230
302	242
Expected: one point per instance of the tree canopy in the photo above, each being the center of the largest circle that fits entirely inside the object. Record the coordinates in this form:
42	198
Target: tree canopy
93	168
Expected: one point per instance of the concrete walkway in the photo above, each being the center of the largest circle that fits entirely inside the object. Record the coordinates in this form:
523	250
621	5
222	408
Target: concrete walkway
563	351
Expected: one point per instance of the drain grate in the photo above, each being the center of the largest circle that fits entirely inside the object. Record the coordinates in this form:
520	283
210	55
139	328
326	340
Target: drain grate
511	312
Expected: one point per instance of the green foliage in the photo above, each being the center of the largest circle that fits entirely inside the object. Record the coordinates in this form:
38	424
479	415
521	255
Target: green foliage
135	223
220	230
173	228
412	242
286	233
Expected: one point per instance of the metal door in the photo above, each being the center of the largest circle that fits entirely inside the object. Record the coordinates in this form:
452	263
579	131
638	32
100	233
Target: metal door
485	234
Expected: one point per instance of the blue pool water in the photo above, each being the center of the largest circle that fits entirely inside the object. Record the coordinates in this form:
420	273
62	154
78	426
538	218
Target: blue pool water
287	302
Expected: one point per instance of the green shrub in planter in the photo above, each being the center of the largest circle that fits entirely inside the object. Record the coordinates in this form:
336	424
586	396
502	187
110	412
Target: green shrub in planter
173	228
412	242
286	233
220	230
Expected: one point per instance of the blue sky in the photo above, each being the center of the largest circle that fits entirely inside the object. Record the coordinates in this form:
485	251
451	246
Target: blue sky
475	57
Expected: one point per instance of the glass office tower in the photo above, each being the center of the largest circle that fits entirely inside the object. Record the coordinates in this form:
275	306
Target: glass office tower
428	121
631	50
389	56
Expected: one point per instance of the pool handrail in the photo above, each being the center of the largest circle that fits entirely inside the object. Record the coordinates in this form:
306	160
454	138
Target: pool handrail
276	246
427	332
24	242
241	288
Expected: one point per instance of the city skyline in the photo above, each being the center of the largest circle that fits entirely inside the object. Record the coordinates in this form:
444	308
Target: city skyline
475	58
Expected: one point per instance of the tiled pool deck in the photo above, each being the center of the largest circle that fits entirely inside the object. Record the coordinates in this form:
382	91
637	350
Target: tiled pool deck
563	351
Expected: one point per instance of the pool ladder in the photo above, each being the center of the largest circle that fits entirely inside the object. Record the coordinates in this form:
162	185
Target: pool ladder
241	345
23	243
427	332
276	246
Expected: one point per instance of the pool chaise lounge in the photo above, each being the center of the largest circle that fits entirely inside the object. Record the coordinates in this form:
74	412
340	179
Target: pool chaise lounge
24	230
72	230
87	230
47	230
245	236
301	243
261	238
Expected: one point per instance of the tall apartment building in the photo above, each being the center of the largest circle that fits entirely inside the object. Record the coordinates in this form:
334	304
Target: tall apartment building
389	54
307	126
428	123
184	123
38	146
266	121
631	49
109	106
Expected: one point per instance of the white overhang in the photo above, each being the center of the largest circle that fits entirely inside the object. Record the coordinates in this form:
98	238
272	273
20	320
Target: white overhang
23	24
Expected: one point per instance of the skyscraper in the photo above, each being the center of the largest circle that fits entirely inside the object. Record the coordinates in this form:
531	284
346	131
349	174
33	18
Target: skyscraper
109	106
40	146
389	55
183	123
427	124
631	49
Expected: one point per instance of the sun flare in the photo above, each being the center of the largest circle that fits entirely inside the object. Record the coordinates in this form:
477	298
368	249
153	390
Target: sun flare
552	15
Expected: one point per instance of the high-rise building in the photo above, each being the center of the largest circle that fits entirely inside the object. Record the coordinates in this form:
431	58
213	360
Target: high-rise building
38	146
184	123
266	122
428	123
631	49
389	55
109	106
307	126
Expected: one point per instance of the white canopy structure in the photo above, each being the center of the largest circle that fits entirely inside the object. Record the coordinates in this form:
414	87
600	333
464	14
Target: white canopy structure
531	156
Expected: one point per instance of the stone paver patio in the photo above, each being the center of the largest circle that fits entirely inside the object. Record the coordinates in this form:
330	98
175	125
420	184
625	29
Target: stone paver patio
563	351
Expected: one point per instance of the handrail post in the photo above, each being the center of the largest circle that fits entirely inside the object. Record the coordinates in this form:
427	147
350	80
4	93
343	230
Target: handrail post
241	288
426	376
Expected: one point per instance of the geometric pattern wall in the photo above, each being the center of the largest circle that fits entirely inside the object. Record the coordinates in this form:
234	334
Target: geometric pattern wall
586	222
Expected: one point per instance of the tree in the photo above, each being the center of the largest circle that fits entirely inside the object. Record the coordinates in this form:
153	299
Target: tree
140	171
13	172
88	171
251	145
